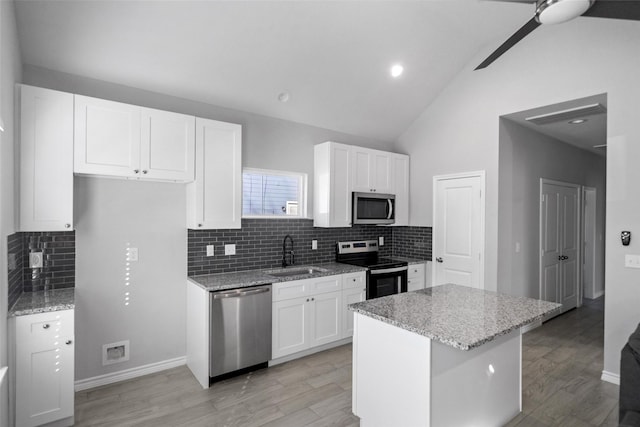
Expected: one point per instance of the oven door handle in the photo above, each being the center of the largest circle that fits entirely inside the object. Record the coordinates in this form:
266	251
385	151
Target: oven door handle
389	270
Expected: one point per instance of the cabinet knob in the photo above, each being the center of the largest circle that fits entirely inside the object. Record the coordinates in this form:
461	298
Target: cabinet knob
313	299
68	342
46	326
67	226
144	172
307	299
136	171
353	279
199	225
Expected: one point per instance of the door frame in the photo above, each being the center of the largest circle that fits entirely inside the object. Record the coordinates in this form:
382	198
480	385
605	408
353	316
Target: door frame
580	237
481	175
594	232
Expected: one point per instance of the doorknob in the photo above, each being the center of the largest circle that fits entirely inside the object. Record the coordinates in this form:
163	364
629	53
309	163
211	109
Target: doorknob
562	257
439	259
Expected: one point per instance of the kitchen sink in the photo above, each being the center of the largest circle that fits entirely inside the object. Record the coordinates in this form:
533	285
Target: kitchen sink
296	271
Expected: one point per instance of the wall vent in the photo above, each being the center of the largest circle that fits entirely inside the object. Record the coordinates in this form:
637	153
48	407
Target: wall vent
567	115
115	352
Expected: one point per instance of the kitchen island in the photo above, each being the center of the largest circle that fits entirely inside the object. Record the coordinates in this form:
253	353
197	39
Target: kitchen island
443	356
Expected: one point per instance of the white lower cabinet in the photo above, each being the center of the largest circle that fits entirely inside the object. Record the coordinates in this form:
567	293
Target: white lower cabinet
416	277
306	313
44	362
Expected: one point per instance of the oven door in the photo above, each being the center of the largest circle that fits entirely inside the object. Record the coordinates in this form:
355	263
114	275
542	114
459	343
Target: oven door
385	282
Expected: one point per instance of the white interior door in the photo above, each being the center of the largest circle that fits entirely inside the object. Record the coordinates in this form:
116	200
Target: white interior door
458	229
559	243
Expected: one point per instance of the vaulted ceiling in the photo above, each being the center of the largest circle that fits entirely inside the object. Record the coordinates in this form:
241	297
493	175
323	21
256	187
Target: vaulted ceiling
331	57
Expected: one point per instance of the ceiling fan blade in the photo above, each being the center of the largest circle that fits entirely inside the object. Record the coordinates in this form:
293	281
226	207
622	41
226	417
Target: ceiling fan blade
511	41
615	9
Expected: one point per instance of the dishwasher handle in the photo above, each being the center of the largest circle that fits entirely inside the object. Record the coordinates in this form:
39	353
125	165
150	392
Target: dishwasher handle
238	293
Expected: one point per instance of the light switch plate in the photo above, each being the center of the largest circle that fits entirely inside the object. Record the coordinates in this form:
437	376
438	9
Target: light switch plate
209	250
381	241
230	249
314	245
632	261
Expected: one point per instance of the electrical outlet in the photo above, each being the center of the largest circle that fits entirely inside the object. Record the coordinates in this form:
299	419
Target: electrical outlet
209	250
381	241
132	254
35	259
632	261
314	245
230	249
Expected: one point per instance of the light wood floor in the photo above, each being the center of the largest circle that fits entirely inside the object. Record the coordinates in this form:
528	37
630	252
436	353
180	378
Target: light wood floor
562	364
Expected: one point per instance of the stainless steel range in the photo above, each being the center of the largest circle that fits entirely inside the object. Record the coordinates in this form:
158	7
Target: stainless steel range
385	276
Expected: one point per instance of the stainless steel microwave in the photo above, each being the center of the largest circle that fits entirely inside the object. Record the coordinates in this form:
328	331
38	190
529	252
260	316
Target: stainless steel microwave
373	208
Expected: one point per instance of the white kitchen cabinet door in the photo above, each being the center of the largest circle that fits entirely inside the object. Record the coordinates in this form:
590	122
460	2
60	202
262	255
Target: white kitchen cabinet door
326	318
44	368
401	188
46	160
106	138
371	170
351	296
290	326
214	200
332	185
167	146
416	277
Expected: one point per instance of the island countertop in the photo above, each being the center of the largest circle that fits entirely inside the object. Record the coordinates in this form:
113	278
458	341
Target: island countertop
458	316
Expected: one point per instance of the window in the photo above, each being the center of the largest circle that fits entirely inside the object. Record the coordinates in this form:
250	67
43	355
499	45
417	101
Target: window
273	193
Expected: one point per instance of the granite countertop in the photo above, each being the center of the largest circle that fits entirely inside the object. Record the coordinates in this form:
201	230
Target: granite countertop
459	316
243	279
43	301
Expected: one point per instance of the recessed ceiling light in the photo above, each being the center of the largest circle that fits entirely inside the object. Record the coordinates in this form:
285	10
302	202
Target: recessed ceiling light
396	70
283	97
577	121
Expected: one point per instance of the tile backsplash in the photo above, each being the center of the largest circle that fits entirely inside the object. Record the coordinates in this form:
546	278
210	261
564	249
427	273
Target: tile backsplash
58	262
15	249
259	244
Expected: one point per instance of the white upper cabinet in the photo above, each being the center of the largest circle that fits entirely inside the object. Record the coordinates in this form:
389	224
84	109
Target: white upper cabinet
128	141
167	150
214	200
46	160
107	138
332	185
401	188
371	170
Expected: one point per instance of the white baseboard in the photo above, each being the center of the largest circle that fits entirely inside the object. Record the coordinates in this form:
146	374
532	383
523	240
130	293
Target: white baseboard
310	351
610	377
128	374
598	294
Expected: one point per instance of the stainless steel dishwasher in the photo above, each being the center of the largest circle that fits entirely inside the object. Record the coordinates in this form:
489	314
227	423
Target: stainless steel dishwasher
240	329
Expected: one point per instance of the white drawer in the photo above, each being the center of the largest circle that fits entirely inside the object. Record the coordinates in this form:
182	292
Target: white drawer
416	271
354	280
45	326
305	287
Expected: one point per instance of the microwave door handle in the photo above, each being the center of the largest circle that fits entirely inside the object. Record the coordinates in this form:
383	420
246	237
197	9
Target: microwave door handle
390	209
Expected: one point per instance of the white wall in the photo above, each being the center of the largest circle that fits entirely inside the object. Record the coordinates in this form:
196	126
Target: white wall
10	73
525	157
460	131
152	216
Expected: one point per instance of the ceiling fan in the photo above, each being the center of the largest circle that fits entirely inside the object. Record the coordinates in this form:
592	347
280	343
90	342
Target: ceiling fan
557	11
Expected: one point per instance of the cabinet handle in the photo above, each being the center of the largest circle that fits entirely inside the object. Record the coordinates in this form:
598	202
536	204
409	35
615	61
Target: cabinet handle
136	171
68	342
439	259
67	226
354	279
144	172
46	326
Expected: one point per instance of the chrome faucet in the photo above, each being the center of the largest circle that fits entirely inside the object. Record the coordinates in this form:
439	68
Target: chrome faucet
285	252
